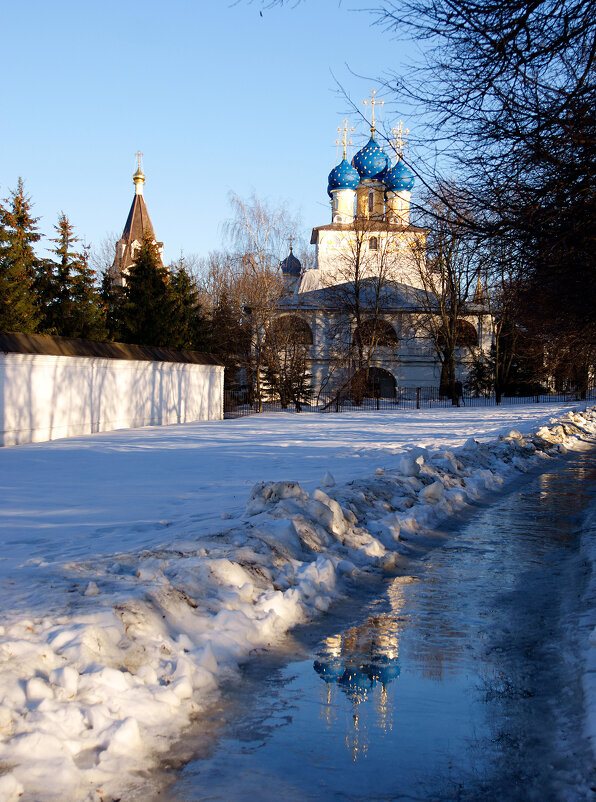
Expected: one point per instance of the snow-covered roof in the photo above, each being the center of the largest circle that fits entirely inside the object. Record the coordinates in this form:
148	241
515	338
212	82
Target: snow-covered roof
393	295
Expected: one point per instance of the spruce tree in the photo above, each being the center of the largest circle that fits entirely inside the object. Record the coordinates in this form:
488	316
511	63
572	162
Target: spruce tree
18	263
112	305
230	336
146	309
188	328
75	309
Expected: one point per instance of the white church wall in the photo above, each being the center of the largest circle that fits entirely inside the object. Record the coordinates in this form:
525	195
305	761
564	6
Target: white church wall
46	397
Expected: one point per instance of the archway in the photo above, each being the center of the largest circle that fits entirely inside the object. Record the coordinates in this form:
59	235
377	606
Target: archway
466	334
373	383
373	333
290	329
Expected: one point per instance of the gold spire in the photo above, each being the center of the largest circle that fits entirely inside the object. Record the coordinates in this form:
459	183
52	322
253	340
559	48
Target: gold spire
344	137
398	142
139	176
373	102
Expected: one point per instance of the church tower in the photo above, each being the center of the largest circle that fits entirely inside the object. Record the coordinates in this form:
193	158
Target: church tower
370	232
342	183
398	183
137	224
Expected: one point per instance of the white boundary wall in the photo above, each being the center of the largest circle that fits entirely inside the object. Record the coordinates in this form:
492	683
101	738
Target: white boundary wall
45	397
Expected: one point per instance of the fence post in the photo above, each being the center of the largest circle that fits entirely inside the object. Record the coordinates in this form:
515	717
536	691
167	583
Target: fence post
537	398
418	397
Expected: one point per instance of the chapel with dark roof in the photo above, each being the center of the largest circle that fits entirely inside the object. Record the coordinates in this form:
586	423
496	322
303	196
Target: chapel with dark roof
138	223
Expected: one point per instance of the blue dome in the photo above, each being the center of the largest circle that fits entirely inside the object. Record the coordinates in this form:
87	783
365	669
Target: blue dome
344	176
399	178
371	161
291	265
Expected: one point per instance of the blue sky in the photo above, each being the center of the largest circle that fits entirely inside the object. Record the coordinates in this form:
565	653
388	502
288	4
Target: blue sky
218	98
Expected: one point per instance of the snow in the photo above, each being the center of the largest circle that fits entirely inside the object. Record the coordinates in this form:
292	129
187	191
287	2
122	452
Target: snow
140	567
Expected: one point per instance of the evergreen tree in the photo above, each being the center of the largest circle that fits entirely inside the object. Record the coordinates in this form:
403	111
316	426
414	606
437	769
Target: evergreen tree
77	309
188	327
70	304
230	337
86	314
18	263
52	282
146	308
112	305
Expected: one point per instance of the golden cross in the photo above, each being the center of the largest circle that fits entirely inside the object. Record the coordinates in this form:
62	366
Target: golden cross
399	138
373	102
344	137
291	242
139	156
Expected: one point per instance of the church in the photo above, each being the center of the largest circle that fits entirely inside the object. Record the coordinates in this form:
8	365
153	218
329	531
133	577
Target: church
363	311
362	317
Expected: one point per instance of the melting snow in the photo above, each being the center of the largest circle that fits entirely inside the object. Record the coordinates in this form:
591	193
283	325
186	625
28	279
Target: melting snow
126	599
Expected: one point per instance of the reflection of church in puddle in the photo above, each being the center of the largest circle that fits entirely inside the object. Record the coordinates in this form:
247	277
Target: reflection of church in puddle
365	292
361	663
361	667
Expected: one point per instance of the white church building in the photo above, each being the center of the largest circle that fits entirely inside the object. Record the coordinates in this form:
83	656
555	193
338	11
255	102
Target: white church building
363	304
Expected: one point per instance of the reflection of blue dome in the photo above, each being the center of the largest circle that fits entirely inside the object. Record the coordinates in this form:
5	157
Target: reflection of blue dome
399	178
371	161
356	677
330	670
291	265
344	176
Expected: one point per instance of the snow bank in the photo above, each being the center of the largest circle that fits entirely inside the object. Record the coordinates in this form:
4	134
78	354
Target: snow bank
90	699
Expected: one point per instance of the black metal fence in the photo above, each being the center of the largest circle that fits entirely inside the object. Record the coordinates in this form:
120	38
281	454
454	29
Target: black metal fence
238	403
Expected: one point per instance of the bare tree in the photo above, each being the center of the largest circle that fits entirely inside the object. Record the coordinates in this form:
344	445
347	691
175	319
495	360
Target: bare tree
511	87
259	235
102	256
448	269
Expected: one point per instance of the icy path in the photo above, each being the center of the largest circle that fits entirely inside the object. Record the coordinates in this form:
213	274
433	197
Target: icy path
461	680
139	568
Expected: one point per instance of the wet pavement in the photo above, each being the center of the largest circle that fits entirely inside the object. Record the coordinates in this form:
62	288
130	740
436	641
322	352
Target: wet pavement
459	680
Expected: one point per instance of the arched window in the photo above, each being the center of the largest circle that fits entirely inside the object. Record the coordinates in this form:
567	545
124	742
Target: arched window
290	329
371	201
373	333
466	335
373	244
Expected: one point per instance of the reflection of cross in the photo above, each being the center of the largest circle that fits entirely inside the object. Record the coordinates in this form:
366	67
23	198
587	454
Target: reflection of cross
373	102
399	139
344	139
139	156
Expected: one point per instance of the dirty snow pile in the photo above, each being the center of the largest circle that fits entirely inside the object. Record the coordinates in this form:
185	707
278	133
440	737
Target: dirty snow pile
91	697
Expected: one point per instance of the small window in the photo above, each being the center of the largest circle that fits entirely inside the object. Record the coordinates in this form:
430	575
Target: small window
373	244
371	201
